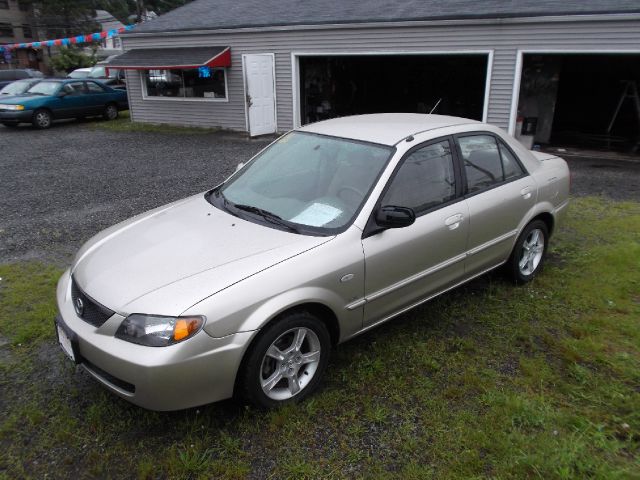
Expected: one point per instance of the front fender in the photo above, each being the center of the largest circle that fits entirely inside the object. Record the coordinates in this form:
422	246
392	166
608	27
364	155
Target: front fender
291	299
315	276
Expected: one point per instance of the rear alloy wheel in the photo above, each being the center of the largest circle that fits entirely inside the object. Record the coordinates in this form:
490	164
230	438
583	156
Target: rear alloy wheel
287	361
41	119
110	112
529	253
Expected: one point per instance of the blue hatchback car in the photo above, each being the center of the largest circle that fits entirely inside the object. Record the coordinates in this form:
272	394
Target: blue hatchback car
53	99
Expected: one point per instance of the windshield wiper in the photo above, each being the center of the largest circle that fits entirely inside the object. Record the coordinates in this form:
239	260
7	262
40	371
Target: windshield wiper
270	217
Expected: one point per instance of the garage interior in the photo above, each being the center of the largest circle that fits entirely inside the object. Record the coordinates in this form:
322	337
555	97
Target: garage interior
337	86
588	101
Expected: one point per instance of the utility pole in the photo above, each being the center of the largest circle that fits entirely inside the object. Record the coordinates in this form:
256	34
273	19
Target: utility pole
140	9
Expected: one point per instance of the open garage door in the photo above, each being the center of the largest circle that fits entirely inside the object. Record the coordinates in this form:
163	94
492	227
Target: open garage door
588	101
336	86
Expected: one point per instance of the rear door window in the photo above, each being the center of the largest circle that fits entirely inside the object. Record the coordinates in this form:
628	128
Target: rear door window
482	162
512	168
487	161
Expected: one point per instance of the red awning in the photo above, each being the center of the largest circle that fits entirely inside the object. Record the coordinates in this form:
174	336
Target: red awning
172	58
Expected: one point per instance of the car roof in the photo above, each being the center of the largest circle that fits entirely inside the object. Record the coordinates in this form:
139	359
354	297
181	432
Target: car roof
383	128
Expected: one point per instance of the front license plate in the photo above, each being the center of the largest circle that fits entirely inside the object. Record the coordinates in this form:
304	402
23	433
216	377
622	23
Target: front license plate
65	343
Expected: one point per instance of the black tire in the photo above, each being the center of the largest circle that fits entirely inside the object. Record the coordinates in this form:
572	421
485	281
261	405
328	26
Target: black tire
42	119
10	125
257	364
525	247
110	112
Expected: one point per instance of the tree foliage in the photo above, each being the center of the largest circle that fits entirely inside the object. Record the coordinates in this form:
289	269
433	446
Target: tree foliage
70	58
66	18
63	18
124	9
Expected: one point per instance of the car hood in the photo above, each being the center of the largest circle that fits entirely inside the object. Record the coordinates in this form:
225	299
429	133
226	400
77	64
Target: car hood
173	257
12	98
21	98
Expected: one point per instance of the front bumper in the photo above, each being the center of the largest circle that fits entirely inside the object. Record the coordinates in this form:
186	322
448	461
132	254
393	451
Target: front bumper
13	116
197	371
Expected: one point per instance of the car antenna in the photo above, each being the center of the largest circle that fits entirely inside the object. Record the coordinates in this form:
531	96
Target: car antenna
435	106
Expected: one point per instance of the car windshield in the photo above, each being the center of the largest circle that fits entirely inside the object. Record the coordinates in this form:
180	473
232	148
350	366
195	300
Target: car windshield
305	182
16	88
44	88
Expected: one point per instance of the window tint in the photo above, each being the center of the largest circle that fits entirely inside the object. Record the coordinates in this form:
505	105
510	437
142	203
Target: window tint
94	88
511	167
425	179
482	163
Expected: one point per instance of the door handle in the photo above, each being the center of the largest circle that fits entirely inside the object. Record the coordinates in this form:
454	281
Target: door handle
453	221
526	193
249	102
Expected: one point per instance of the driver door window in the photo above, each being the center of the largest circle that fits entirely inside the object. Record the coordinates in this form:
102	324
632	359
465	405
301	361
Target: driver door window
425	180
404	265
74	88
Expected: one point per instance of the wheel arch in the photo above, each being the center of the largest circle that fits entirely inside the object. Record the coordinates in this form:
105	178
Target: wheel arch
45	108
325	314
547	218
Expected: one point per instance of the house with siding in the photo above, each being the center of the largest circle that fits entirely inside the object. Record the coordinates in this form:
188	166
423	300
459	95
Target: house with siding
540	69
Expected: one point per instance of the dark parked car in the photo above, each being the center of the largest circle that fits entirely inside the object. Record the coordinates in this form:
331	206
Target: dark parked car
8	76
52	99
18	87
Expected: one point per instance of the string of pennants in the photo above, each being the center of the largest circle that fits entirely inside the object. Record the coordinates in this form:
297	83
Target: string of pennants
77	40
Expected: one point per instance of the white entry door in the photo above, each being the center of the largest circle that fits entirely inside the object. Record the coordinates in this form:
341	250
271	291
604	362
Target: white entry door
260	93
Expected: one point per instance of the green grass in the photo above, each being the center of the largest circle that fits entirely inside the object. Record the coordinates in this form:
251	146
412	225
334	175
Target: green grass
489	381
124	124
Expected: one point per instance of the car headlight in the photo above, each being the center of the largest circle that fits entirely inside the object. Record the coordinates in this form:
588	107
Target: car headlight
12	107
158	331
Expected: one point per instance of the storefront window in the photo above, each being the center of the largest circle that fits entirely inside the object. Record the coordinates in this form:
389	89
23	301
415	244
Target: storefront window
203	82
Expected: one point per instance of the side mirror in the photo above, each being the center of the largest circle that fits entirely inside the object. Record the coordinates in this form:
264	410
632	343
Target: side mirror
62	94
240	165
391	216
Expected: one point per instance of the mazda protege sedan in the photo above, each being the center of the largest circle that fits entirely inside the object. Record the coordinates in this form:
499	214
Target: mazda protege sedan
334	228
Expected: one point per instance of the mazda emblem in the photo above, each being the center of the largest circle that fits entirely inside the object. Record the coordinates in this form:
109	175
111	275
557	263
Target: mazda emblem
79	306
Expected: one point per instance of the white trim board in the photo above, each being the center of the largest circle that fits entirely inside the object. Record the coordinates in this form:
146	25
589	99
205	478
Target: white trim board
517	76
295	70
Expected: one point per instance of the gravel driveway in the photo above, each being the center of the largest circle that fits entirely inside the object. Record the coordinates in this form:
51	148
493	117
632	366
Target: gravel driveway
61	186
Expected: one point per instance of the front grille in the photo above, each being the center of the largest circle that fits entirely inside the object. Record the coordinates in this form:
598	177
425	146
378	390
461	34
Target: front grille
92	312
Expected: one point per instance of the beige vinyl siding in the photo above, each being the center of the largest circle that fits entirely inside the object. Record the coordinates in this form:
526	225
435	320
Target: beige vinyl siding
503	38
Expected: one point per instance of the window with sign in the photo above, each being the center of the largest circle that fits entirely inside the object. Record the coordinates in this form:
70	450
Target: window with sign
203	82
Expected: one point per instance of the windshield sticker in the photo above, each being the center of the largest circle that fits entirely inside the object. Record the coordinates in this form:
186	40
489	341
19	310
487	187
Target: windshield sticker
317	215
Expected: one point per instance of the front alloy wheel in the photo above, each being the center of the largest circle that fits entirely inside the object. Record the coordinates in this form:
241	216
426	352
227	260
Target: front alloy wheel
286	361
290	363
42	119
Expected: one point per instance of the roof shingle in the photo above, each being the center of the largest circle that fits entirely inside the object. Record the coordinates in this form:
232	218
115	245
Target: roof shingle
224	14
